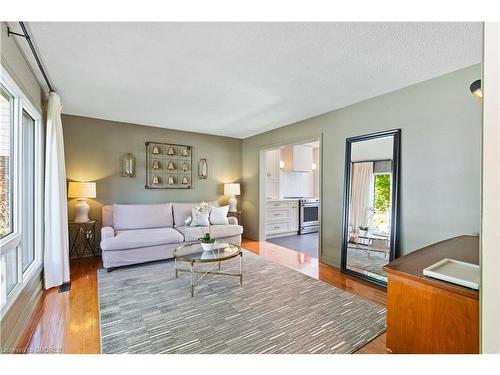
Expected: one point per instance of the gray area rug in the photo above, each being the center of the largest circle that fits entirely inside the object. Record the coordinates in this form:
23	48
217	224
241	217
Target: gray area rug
145	309
304	243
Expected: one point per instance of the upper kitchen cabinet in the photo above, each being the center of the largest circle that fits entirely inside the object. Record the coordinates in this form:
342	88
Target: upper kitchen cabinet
297	158
272	165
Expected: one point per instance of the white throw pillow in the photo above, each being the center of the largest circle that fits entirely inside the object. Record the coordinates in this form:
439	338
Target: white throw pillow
200	215
218	215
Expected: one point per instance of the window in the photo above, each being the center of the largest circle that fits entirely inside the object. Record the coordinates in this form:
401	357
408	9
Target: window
382	202
6	180
28	195
21	172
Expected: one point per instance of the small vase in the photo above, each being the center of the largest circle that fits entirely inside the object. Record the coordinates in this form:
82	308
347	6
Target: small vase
207	246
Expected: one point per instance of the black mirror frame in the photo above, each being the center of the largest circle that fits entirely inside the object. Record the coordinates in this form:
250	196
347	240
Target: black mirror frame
396	133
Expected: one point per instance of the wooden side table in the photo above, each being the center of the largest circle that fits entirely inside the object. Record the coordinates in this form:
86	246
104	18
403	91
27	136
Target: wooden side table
82	237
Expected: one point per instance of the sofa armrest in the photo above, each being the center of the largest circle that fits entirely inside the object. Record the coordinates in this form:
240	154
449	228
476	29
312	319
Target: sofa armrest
107	232
232	220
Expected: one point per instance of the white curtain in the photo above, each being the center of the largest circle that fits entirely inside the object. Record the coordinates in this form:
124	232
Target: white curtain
56	253
361	194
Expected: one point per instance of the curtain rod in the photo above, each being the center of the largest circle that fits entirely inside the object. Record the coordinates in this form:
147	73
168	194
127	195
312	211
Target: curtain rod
26	36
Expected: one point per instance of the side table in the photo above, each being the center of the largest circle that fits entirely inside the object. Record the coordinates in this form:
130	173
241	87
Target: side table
82	237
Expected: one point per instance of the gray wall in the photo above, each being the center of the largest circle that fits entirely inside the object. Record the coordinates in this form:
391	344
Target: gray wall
93	149
14	62
440	160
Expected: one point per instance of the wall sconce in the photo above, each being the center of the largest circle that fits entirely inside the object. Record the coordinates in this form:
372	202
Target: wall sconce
314	166
156	150
203	169
475	89
282	164
128	165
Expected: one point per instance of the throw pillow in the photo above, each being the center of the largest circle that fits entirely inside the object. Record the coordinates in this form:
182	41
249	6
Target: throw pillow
218	215
200	215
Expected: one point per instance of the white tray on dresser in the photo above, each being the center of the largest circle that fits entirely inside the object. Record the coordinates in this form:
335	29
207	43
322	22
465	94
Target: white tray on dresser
456	272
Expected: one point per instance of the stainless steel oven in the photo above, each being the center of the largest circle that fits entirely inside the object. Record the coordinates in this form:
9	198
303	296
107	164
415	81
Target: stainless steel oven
308	215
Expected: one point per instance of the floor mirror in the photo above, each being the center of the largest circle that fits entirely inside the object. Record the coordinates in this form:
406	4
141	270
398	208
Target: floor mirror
370	204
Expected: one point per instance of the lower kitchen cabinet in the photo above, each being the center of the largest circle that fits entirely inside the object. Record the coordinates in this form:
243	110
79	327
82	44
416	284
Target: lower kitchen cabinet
282	218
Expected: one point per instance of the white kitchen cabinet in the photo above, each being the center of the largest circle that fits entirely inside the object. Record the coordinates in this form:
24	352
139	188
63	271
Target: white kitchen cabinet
272	165
272	189
272	174
294	216
297	158
281	218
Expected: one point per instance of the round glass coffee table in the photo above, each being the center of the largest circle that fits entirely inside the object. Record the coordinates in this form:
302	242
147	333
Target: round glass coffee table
194	254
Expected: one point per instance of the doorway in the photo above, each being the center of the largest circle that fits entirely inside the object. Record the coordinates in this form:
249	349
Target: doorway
290	196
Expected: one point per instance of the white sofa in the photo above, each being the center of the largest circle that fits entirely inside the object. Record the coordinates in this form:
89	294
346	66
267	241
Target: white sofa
140	233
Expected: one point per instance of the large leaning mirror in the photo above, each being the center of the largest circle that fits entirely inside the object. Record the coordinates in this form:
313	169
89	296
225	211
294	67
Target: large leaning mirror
370	204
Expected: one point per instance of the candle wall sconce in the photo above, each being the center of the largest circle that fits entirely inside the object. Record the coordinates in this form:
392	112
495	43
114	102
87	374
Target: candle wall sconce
168	166
203	169
128	165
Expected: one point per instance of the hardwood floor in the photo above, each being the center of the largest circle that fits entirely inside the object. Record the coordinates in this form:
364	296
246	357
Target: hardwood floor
69	322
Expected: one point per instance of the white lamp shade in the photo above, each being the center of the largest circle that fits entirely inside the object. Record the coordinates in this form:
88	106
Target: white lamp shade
231	189
81	190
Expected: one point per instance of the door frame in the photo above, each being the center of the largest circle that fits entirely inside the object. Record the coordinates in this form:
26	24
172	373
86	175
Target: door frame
262	196
490	193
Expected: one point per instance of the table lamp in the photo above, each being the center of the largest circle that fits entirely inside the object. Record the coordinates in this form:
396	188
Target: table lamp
81	191
232	190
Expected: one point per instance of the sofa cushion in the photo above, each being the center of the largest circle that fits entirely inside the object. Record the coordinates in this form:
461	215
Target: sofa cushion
199	216
132	239
192	233
183	210
218	215
139	216
216	231
221	231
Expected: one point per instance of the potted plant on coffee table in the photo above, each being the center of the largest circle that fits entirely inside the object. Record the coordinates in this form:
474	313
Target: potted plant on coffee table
207	243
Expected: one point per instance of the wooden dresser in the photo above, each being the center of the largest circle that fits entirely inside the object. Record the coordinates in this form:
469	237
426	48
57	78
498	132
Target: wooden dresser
426	315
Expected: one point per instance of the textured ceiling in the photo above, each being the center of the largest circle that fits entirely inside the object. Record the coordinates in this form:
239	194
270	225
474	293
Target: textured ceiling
241	79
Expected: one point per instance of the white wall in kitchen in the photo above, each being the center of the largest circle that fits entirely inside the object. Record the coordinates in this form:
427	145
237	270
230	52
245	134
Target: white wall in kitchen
296	184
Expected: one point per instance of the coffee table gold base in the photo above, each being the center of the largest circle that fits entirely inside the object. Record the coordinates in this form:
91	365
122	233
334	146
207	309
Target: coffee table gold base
193	271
